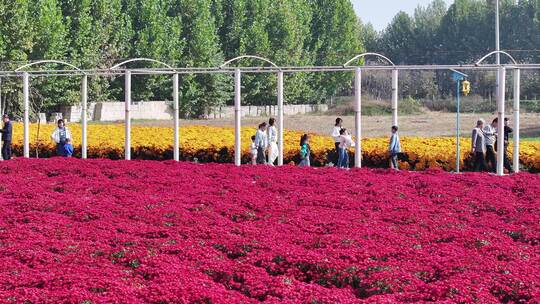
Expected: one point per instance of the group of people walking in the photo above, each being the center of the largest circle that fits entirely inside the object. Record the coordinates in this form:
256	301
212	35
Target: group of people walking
61	136
342	142
264	146
484	146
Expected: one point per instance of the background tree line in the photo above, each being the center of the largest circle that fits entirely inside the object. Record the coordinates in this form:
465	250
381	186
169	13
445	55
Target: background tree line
204	33
184	33
459	34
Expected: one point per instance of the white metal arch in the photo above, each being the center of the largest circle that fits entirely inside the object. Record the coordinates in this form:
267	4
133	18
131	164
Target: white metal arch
26	103
496	52
501	92
245	57
368	54
46	61
127	101
358	102
138	60
238	106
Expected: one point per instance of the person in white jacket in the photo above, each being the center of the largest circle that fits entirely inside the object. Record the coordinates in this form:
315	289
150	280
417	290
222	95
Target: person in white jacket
336	136
261	142
345	142
59	136
273	151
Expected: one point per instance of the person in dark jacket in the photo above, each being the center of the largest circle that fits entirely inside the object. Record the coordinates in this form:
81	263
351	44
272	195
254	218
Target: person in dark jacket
507	131
7	136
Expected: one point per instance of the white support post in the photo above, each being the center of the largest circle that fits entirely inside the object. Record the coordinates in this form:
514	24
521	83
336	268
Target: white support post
127	99
176	106
500	127
517	88
394	97
84	116
280	117
358	117
26	120
237	117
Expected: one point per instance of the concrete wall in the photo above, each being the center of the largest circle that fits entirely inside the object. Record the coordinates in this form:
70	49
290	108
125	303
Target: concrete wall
255	111
115	111
160	110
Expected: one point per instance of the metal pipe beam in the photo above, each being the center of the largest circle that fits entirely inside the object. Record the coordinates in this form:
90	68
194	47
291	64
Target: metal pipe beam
280	93
358	117
237	117
395	97
26	119
118	72
501	75
517	89
84	116
458	125
176	106
127	100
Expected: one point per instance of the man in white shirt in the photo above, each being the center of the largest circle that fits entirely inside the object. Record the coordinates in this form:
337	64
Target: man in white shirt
337	138
490	135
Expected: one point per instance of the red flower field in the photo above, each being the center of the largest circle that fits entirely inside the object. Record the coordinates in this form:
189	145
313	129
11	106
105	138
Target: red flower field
100	231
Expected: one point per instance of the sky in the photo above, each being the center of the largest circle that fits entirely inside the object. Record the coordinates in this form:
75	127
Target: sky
380	12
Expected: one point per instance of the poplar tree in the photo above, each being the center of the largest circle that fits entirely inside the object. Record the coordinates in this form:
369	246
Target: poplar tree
202	49
158	31
289	31
334	40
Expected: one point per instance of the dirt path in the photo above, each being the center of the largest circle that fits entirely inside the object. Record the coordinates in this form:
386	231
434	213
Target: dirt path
426	125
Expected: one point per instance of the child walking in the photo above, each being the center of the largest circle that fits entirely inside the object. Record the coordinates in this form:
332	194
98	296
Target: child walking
305	151
68	148
394	148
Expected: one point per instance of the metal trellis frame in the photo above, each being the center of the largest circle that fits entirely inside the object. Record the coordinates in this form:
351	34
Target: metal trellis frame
26	101
127	100
225	68
238	107
358	102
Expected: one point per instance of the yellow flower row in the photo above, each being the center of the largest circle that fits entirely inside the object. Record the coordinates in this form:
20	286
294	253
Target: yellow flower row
217	144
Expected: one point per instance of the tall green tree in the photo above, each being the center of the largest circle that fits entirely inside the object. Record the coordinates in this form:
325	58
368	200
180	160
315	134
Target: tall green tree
288	31
230	17
114	31
334	40
259	88
368	36
17	42
199	92
50	42
158	28
427	21
398	39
